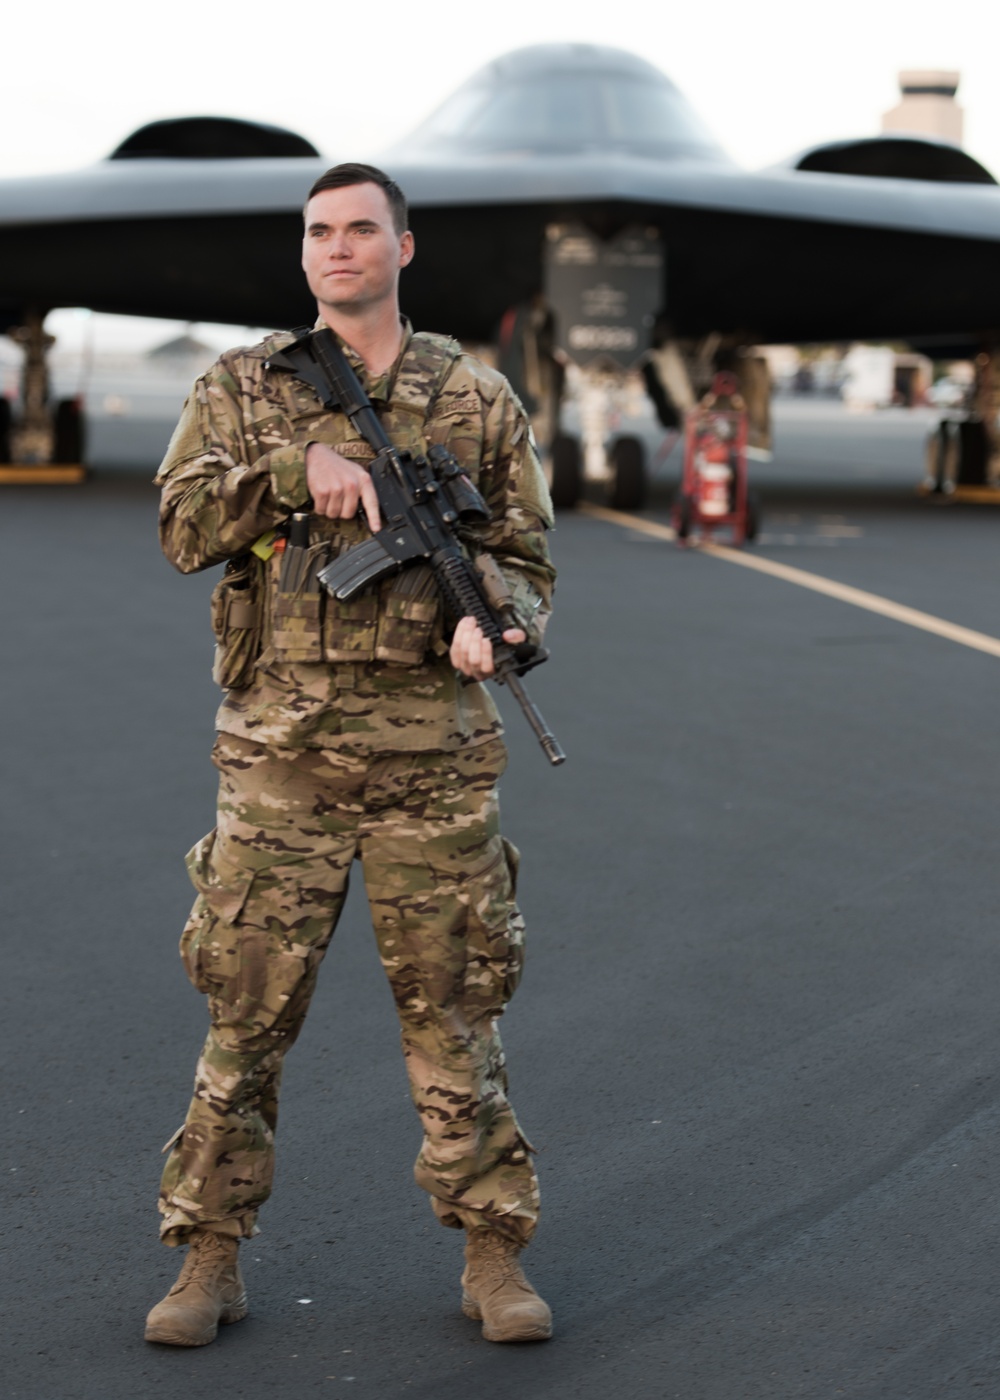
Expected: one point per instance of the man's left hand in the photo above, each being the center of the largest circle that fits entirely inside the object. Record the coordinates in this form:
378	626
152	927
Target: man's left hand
472	653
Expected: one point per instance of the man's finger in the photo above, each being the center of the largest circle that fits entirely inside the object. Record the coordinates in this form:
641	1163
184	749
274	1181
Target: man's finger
461	653
466	653
481	653
349	500
458	642
369	499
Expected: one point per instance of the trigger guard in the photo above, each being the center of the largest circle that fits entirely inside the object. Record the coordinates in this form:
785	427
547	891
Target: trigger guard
527	655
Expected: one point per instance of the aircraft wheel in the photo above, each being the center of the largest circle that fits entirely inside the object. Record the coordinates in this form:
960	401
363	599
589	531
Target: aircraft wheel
69	432
567	472
951	462
683	514
753	515
6	416
628	484
934	455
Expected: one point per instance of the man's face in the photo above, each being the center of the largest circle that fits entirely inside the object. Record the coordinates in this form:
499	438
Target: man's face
351	254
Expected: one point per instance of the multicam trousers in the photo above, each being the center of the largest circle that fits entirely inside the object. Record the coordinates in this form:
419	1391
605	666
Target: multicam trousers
271	881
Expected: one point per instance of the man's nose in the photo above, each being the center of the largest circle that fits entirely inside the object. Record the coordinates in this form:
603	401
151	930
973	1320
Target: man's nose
340	246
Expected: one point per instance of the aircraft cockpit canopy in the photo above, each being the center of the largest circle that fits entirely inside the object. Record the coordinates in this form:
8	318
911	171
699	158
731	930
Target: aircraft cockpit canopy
564	99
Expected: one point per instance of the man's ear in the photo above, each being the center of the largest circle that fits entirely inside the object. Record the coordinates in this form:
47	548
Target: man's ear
407	248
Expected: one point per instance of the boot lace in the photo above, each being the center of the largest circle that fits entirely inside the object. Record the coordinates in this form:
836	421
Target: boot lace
208	1254
496	1254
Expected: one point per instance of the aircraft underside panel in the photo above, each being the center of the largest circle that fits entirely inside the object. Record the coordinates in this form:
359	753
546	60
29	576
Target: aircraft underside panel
774	279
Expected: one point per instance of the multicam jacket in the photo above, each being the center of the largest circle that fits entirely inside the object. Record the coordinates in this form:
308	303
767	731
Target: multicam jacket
371	674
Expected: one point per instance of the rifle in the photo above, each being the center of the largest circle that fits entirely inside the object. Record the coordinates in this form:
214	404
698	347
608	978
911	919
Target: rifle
423	501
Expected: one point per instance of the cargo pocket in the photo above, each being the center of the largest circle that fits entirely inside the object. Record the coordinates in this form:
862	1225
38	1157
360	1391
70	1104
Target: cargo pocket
349	628
247	945
210	944
411	605
237	613
495	937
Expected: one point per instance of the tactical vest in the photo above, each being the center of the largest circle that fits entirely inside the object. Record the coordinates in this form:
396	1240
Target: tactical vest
399	620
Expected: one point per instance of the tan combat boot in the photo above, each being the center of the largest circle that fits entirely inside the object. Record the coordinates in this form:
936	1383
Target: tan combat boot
208	1291
495	1291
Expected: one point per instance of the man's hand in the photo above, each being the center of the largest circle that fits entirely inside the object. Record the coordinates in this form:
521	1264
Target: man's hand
472	654
337	486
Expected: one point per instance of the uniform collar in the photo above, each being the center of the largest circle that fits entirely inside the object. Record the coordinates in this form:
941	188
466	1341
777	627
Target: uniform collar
379	389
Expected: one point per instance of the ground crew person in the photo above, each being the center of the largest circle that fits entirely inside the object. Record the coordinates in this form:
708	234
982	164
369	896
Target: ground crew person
351	730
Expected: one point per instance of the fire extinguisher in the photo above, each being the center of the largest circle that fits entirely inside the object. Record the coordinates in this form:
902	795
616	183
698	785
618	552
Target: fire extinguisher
713	478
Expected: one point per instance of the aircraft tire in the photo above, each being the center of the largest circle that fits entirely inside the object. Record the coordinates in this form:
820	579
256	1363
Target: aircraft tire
567	472
683	514
6	417
753	516
628	481
69	433
934	454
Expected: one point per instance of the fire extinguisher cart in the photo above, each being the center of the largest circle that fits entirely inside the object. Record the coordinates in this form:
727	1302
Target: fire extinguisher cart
714	490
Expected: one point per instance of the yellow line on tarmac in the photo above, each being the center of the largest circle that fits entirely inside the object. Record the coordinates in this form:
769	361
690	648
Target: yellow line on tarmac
843	592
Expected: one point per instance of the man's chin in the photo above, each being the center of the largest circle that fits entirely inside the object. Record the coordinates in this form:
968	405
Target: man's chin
346	298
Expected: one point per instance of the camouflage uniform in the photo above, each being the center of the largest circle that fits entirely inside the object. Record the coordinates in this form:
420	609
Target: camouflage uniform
345	733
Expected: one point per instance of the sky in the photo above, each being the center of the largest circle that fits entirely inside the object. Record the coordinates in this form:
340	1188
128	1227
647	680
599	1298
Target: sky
770	78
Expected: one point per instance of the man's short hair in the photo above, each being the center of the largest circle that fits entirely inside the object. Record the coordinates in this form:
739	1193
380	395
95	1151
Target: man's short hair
354	173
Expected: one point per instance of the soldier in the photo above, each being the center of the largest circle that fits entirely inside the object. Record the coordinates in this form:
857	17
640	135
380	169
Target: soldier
351	730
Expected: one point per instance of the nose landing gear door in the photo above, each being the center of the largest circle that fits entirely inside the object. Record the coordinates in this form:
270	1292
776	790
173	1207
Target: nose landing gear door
604	295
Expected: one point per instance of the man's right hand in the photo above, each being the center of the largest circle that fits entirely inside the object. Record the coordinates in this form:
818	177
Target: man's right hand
338	486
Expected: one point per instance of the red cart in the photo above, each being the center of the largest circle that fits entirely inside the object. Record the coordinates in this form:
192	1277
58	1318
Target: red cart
714	490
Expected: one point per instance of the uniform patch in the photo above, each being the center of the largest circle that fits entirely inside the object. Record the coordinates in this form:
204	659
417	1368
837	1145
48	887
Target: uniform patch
356	451
446	409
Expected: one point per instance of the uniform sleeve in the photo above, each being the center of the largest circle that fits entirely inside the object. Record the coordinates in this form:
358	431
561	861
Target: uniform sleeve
515	490
220	490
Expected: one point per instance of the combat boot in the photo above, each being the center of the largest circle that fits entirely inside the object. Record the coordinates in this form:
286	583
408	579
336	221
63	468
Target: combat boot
208	1291
495	1291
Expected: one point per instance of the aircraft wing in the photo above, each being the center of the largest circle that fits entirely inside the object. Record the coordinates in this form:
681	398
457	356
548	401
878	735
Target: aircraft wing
785	255
781	255
909	206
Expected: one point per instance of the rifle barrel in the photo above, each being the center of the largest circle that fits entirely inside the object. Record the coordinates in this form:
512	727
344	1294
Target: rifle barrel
550	744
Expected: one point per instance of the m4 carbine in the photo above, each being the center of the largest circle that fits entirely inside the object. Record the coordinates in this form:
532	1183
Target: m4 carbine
422	501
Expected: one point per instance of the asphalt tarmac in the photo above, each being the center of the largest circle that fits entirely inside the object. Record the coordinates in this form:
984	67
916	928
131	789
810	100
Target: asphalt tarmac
756	1045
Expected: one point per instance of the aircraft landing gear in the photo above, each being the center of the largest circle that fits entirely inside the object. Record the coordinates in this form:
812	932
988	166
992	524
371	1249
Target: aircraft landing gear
6	419
40	446
619	465
628	485
567	472
68	434
963	451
